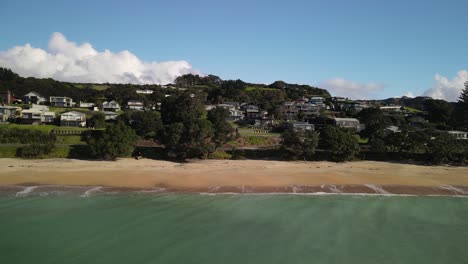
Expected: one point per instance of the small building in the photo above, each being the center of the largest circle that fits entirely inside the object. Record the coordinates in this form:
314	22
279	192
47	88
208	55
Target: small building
252	112
86	105
112	106
351	123
37	114
110	116
73	119
7	113
135	105
33	98
392	108
61	101
458	134
302	126
391	130
6	97
146	91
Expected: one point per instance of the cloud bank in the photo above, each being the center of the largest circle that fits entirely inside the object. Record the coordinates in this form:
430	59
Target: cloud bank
446	89
351	89
66	61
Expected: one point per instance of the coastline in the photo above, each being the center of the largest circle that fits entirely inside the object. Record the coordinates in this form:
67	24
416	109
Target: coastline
235	176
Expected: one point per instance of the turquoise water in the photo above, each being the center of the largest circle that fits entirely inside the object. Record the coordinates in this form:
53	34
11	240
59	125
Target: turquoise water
127	228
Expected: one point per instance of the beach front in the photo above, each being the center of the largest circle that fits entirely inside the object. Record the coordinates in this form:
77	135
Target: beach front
244	176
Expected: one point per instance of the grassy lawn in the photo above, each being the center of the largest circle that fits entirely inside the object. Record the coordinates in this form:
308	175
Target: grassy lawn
413	110
43	128
70	140
7	152
98	87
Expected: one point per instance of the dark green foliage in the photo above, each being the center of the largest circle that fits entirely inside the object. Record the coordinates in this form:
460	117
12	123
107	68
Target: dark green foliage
269	100
296	91
115	141
97	120
374	120
298	144
460	114
377	145
445	148
186	134
439	111
24	136
7	75
341	144
35	150
146	124
223	131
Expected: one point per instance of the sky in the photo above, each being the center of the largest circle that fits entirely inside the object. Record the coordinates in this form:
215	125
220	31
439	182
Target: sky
368	49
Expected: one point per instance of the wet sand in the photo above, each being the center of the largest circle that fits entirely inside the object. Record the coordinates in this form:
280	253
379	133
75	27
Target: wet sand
246	176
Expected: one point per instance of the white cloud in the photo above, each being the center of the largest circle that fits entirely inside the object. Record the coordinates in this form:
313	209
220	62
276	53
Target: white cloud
66	61
447	89
409	94
351	89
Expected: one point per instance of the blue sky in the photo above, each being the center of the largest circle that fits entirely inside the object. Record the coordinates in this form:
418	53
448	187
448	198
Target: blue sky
393	47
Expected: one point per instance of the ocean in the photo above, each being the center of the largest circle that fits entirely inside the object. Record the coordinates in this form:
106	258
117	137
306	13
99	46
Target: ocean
243	228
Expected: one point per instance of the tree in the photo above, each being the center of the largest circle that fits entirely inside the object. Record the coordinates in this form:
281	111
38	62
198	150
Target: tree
298	144
97	120
439	111
186	134
146	124
115	141
223	131
461	110
341	144
445	148
374	120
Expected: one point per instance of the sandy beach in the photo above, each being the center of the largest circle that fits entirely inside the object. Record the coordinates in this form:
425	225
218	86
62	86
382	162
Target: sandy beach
239	176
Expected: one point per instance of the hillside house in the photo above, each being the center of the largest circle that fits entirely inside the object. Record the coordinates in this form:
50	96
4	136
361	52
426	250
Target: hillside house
7	113
302	126
110	116
33	98
73	119
351	123
6	97
37	114
135	105
458	134
86	105
61	101
146	91
111	106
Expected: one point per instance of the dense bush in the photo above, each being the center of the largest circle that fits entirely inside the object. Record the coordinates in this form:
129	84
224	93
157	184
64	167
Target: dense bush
115	141
34	150
24	136
340	144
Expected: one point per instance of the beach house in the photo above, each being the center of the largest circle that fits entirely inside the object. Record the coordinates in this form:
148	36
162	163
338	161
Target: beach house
73	119
33	98
61	101
112	106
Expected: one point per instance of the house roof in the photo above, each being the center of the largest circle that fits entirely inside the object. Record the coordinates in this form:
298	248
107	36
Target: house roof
346	119
32	93
74	113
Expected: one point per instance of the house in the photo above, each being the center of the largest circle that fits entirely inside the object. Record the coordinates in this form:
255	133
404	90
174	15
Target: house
351	123
135	105
458	134
37	114
6	97
61	101
252	112
73	119
146	91
299	109
109	115
234	113
33	98
110	106
391	130
7	112
86	105
302	126
392	108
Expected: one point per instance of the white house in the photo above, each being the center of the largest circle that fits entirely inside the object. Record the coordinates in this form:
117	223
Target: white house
61	101
109	115
458	134
302	126
33	98
86	105
7	112
135	105
37	114
110	106
73	119
146	91
351	123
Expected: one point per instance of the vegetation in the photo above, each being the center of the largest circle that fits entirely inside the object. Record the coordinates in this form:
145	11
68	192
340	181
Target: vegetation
339	143
223	131
117	140
299	144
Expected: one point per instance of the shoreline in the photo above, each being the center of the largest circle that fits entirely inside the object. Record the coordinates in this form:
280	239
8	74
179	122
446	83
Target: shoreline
234	176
